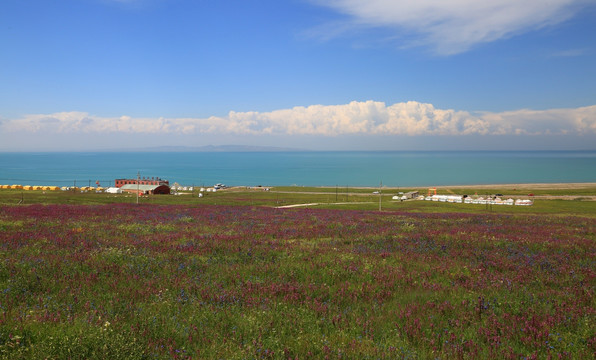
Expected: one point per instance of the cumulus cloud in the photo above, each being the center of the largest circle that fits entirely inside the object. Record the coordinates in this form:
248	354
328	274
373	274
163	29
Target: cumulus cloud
454	26
356	118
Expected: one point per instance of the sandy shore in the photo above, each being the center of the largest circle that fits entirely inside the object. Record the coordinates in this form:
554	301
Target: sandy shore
531	186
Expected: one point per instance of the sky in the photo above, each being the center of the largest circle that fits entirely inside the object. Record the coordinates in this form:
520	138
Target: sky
86	75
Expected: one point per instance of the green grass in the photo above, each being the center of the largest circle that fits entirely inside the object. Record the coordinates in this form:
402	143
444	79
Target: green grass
355	199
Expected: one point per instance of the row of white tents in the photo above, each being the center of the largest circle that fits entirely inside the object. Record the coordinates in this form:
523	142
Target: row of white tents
177	187
478	200
184	188
99	189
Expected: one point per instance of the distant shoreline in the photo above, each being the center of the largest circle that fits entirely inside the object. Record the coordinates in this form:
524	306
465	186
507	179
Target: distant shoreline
522	186
267	149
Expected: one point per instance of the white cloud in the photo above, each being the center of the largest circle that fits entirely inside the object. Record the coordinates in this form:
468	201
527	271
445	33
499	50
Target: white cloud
356	118
454	26
570	53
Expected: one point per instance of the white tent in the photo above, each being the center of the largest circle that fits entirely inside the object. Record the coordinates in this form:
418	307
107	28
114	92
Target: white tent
113	190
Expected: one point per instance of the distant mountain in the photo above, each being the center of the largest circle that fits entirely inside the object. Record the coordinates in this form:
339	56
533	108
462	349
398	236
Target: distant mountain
217	148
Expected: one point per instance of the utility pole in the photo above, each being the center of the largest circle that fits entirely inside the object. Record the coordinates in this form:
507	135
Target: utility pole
380	196
138	179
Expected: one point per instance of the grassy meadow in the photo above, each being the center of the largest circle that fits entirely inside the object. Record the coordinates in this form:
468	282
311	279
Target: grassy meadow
229	276
330	198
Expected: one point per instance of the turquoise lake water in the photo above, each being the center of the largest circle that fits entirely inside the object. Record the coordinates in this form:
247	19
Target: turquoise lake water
399	168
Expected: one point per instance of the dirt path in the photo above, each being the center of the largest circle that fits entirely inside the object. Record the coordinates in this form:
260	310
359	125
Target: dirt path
316	204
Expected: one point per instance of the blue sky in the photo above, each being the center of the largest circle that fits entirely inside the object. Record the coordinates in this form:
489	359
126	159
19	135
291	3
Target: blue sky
328	75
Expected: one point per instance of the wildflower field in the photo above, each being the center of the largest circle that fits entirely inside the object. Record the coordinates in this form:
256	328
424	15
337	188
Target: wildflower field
240	282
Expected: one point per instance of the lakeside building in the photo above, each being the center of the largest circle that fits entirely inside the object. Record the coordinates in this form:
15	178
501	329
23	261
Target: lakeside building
142	181
146	189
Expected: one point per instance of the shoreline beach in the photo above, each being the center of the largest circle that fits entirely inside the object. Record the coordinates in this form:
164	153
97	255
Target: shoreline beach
521	186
